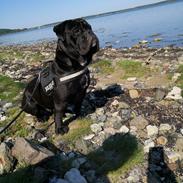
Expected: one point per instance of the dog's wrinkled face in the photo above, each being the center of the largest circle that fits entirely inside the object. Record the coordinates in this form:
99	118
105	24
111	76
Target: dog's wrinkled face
77	40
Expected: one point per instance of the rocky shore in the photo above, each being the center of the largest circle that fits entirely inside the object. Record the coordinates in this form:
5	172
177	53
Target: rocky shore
130	129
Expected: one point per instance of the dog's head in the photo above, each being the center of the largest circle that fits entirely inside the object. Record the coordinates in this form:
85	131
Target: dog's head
77	40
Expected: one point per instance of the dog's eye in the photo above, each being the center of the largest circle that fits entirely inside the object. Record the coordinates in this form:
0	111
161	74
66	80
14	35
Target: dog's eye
76	31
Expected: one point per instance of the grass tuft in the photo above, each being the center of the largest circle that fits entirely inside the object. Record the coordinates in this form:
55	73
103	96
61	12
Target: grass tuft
132	68
180	79
9	89
104	66
118	154
78	128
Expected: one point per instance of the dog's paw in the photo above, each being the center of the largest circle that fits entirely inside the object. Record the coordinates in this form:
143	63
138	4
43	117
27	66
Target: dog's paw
62	130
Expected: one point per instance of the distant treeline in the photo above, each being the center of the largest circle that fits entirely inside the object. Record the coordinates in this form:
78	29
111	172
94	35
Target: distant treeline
7	31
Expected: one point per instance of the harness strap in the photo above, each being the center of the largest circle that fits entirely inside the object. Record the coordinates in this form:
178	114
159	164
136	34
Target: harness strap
71	76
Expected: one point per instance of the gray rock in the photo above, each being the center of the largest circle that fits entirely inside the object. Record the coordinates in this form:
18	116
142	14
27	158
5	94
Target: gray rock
90	176
100	138
160	94
139	122
96	128
164	128
101	118
78	162
58	180
179	147
6	159
74	176
29	153
84	146
125	114
123	105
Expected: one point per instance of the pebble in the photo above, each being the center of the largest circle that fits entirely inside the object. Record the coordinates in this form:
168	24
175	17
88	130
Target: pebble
161	140
134	94
124	129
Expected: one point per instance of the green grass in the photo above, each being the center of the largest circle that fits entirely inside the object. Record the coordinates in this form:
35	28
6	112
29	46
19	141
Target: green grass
24	175
180	79
104	66
132	68
9	89
117	155
79	128
18	128
9	55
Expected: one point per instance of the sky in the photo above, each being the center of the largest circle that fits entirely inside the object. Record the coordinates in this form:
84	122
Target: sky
31	13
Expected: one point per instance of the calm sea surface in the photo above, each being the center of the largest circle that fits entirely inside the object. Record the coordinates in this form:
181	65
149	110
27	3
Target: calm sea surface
159	22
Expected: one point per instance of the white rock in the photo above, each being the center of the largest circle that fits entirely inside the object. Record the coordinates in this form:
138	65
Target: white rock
133	130
148	144
132	79
89	137
115	102
124	129
7	105
74	176
176	76
3	118
181	131
152	130
164	127
171	156
174	94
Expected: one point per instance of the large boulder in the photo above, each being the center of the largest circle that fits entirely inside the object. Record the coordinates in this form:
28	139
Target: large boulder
28	152
6	159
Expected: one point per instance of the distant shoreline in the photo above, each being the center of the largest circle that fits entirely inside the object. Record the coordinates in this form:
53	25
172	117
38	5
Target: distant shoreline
9	31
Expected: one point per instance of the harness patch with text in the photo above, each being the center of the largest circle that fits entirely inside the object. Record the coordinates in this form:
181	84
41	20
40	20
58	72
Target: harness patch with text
47	81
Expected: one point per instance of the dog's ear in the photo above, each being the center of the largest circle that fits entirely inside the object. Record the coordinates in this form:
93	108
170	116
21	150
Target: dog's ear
59	29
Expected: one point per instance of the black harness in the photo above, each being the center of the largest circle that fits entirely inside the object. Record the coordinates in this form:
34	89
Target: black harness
49	79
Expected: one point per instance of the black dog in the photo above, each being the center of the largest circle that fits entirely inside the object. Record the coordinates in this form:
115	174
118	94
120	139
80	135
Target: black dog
75	47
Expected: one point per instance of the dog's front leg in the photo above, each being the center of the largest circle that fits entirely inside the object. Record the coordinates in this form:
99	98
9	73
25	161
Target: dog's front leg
60	128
